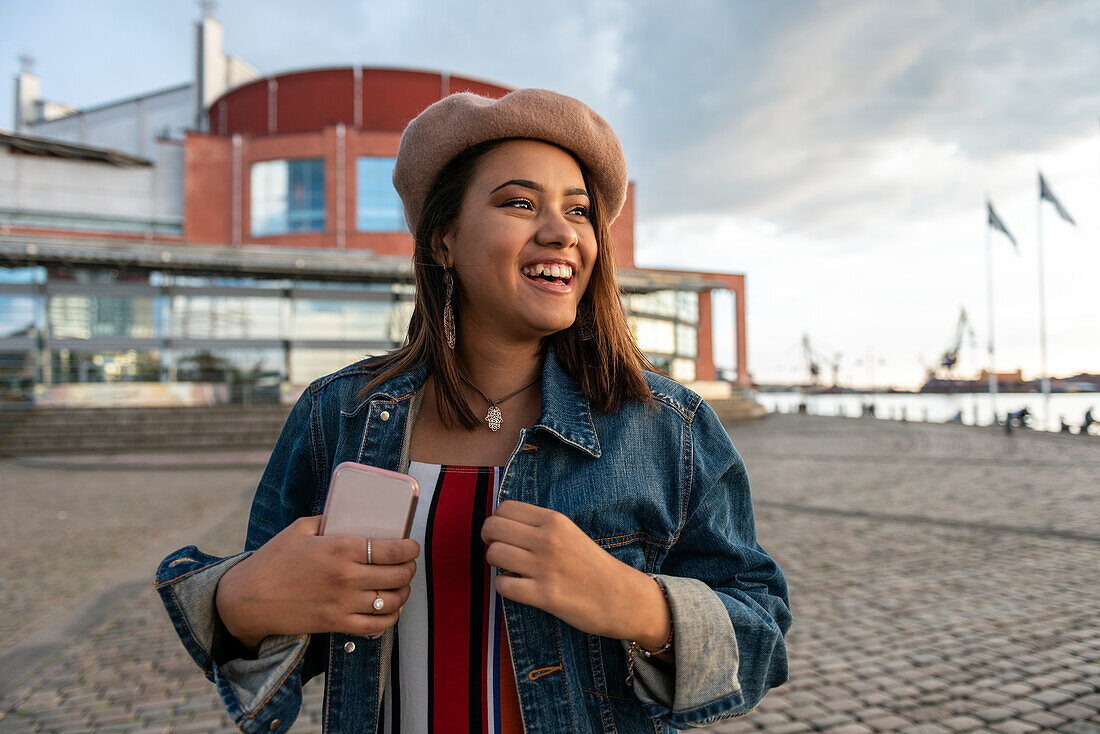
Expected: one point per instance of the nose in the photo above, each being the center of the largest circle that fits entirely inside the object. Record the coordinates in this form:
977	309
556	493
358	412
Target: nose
555	230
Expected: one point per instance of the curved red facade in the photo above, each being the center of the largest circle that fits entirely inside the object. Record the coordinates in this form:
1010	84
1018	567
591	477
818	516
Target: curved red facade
361	98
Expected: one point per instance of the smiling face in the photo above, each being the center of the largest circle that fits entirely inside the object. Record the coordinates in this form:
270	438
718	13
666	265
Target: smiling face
523	246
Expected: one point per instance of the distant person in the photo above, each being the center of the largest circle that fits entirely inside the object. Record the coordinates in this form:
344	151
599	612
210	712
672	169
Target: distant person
957	418
1019	417
1089	420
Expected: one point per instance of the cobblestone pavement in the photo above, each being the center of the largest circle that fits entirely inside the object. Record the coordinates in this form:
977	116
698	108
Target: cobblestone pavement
67	524
943	579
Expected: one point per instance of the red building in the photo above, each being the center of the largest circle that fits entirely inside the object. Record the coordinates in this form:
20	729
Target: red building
337	119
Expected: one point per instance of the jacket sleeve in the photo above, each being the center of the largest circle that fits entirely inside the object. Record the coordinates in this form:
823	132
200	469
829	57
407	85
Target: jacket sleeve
262	694
729	601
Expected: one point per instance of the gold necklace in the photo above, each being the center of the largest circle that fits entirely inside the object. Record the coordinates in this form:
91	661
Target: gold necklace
494	417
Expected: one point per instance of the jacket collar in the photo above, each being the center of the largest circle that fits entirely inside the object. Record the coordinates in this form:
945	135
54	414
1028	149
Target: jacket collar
566	412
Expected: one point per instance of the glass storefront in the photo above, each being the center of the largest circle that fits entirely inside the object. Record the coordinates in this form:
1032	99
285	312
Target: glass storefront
287	196
97	325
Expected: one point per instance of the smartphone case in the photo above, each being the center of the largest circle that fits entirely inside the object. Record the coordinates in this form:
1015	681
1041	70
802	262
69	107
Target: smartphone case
369	502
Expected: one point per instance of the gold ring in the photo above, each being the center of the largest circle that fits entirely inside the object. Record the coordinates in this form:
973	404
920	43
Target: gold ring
378	603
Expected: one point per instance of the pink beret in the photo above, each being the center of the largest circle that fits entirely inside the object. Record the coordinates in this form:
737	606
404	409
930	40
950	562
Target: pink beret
460	121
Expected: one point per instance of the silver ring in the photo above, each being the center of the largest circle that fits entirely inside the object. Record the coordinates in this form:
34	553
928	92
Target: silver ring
378	603
369	559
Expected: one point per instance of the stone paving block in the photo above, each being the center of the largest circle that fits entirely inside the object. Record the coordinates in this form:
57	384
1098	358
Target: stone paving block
1073	711
1014	727
1051	697
832	720
991	714
1044	719
962	723
1080	727
795	727
850	729
806	712
926	729
1024	706
889	722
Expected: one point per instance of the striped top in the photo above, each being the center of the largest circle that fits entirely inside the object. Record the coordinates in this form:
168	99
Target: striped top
451	669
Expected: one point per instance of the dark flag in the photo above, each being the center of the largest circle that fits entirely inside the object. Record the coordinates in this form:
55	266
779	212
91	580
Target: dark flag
1046	193
996	223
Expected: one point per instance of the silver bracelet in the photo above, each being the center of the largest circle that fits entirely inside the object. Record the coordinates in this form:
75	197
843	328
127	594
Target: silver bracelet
634	647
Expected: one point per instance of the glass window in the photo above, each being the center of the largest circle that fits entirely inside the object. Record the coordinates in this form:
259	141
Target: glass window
225	317
658	303
123	365
687	306
17	316
23	275
231	365
18	373
687	341
306	365
351	320
377	205
288	196
654	335
682	370
86	317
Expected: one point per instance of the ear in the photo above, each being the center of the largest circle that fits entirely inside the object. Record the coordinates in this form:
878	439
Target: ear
441	248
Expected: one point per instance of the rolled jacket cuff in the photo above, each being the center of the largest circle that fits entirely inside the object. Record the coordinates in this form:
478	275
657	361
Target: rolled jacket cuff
701	685
252	689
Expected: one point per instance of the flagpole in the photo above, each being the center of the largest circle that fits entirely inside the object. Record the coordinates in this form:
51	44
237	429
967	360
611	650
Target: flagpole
989	293
1044	379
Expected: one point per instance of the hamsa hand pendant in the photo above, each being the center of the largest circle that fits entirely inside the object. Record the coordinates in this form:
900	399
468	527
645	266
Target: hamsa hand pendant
494	418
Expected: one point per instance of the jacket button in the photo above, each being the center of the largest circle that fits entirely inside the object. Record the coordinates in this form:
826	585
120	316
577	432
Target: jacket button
384	415
349	647
274	724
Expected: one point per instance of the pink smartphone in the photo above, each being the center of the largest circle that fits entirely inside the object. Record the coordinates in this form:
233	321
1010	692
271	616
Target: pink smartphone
369	502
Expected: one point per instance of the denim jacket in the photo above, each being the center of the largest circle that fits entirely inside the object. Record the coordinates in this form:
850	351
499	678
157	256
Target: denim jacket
660	487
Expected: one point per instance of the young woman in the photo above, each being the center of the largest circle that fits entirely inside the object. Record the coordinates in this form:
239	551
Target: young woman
583	555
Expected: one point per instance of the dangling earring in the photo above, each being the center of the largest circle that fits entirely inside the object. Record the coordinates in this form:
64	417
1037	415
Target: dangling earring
448	311
585	323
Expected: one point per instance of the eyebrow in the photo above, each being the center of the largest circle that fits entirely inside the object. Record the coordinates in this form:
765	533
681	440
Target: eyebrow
536	187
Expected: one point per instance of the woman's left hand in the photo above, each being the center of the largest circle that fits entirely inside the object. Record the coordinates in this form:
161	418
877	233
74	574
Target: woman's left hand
562	571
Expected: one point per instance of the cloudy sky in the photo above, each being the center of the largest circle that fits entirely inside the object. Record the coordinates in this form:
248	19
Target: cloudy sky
837	153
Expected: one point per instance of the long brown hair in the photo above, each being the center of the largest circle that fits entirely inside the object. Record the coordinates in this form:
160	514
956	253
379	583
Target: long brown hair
598	350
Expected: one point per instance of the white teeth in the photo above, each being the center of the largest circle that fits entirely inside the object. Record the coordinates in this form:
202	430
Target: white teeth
553	270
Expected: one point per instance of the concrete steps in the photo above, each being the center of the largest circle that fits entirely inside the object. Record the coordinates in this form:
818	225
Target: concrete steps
737	410
90	430
29	432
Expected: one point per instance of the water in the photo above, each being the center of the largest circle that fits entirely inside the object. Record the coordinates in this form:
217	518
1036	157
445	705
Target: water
932	407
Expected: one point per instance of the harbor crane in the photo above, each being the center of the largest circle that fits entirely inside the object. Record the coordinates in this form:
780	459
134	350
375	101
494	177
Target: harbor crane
951	357
813	357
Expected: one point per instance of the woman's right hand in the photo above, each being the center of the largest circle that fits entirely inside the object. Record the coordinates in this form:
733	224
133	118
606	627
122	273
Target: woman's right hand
300	582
